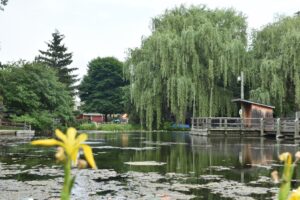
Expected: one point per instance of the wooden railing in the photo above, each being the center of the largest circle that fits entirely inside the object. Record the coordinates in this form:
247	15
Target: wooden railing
14	125
276	125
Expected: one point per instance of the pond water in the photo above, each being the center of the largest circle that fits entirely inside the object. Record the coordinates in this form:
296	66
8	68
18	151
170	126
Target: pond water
165	165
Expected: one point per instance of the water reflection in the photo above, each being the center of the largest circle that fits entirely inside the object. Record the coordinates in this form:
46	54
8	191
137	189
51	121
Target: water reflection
189	159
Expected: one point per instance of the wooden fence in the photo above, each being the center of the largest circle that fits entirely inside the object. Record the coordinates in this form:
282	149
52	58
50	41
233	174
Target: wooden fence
14	125
263	126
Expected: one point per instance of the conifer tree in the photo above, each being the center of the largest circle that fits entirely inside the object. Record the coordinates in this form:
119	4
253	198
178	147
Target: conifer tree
58	58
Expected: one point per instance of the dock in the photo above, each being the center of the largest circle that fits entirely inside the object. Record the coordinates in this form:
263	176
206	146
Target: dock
16	129
252	127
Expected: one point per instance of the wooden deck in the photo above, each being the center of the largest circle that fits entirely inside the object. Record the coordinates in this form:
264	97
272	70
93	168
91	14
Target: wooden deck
15	129
287	128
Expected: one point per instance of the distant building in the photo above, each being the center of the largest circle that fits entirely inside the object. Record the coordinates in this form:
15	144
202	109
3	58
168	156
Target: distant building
92	117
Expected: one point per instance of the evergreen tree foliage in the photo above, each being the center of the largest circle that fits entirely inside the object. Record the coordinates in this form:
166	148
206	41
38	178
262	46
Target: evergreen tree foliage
31	92
275	68
101	90
58	58
189	64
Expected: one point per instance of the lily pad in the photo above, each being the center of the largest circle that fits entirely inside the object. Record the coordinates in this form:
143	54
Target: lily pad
145	163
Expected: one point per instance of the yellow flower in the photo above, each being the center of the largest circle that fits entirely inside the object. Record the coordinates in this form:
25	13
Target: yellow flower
71	145
286	157
295	195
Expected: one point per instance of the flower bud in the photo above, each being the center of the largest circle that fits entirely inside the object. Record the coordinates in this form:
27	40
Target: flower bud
284	156
81	164
275	176
297	155
60	154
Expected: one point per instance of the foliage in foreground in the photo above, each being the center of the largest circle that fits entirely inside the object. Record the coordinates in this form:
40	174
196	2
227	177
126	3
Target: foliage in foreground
188	66
68	149
285	192
32	93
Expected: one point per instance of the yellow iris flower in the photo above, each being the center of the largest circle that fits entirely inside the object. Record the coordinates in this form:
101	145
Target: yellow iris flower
295	195
71	145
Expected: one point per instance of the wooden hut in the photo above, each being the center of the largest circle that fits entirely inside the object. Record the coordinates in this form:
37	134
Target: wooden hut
251	111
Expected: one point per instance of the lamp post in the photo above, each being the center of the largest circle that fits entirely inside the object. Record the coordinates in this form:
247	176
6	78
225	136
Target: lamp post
241	78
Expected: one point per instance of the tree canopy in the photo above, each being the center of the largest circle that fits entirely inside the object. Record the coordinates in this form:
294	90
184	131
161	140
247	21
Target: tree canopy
58	58
101	90
186	66
274	72
3	3
31	92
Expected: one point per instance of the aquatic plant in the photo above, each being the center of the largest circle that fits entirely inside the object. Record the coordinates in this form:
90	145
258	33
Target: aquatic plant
68	148
285	186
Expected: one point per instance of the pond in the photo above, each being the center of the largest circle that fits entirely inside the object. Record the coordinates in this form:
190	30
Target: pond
157	165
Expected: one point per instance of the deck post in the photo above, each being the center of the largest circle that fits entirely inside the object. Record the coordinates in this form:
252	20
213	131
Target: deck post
208	125
225	126
242	126
193	123
278	133
296	133
261	127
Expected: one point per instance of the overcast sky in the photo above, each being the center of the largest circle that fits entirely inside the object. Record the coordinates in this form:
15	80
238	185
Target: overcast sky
102	28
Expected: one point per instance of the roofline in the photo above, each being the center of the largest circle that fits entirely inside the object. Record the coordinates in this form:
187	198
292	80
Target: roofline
92	114
251	102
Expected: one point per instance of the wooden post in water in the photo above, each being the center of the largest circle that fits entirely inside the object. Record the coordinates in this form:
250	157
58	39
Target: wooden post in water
225	125
261	127
242	126
296	133
192	128
209	125
278	133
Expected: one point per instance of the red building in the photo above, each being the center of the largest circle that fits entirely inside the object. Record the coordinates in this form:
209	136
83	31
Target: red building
92	117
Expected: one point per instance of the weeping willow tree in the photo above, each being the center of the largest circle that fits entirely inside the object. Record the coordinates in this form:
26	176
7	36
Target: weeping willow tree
275	71
188	65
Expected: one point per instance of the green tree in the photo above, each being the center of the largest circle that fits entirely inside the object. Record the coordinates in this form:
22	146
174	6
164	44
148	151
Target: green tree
31	92
58	58
101	90
188	65
3	3
275	68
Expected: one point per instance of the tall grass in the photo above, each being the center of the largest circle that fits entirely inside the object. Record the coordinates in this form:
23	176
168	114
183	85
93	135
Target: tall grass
109	127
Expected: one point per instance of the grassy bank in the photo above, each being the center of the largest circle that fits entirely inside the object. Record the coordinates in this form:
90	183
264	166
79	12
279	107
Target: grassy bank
126	127
109	127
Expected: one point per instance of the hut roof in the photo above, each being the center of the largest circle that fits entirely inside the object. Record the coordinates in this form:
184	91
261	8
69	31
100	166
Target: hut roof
244	101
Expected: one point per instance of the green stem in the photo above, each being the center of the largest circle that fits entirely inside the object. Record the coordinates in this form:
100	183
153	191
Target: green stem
65	194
